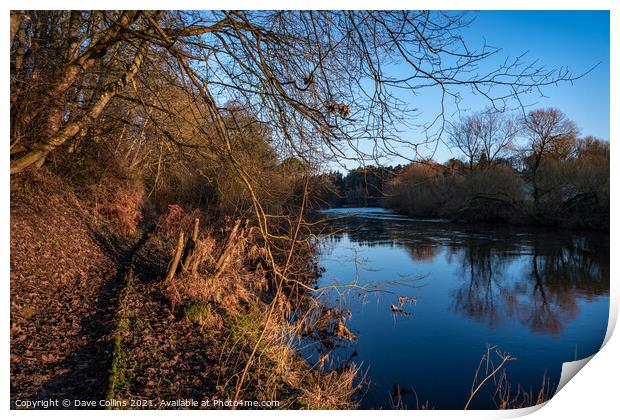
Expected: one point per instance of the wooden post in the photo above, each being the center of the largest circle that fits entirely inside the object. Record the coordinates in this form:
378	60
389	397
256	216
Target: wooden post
222	261
194	265
190	246
195	231
177	257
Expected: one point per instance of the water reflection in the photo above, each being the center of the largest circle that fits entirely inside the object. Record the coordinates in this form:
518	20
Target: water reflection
544	296
537	293
556	267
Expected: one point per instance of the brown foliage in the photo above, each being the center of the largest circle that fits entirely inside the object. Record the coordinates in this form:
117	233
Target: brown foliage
124	210
337	108
174	220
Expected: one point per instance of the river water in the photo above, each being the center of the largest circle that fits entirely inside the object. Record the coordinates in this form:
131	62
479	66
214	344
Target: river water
436	295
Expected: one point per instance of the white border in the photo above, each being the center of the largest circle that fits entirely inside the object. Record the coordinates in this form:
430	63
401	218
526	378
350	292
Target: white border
593	394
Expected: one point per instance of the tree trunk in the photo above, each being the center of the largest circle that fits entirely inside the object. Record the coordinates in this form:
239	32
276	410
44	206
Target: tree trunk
71	129
224	258
81	63
17	17
174	265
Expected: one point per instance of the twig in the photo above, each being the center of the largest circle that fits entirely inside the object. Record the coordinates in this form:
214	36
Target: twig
489	376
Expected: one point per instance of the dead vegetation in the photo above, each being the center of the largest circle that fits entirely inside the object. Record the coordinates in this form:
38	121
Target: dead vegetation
124	211
491	377
65	278
166	321
136	333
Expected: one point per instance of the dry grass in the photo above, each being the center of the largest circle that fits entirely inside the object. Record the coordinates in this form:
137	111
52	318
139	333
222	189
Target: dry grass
333	390
228	291
231	309
277	371
491	374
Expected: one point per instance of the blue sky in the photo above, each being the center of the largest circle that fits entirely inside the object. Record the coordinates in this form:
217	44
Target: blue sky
578	40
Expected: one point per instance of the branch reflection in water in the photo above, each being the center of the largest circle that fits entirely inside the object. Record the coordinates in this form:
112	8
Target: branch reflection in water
536	293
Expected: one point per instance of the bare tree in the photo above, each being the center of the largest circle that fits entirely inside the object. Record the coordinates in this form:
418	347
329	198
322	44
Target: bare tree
483	136
465	136
50	56
319	79
550	134
498	132
175	86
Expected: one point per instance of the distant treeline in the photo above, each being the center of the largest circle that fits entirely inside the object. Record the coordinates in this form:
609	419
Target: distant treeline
361	187
534	170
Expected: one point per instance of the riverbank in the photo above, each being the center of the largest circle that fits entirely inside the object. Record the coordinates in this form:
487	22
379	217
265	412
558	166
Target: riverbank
565	193
491	213
93	316
489	216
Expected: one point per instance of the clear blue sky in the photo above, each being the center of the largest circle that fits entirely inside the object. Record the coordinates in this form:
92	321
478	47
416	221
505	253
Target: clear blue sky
578	40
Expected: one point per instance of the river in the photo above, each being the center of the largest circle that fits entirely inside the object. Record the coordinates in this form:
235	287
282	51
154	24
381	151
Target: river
433	296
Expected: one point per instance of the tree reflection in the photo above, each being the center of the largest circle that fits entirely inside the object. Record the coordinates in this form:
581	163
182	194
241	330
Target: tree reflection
534	277
481	265
554	273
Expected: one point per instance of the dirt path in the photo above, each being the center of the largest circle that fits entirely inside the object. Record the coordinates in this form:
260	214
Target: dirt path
65	285
87	368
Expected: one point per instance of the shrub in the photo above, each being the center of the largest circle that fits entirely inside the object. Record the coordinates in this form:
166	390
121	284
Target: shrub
175	220
124	210
419	191
492	194
486	194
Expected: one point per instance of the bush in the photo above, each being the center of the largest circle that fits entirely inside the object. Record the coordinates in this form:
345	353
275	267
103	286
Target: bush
124	210
418	191
484	194
493	194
